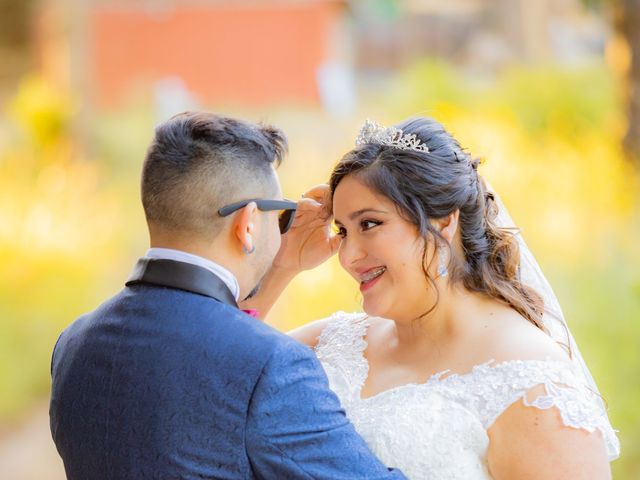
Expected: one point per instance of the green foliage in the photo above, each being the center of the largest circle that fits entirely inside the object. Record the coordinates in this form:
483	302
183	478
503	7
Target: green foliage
41	113
59	250
603	306
544	100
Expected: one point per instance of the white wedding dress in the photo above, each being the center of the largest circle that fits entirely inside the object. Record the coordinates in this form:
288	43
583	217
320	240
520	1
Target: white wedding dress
438	429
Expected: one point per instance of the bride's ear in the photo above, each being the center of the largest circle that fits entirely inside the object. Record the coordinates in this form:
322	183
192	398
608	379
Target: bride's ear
447	226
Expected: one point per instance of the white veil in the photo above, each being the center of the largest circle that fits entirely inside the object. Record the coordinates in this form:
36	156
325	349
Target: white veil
553	319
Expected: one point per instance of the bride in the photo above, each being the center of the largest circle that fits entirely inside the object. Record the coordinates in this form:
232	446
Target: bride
461	366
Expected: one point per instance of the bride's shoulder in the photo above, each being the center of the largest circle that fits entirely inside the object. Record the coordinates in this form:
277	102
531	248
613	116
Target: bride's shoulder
532	370
527	364
508	336
310	333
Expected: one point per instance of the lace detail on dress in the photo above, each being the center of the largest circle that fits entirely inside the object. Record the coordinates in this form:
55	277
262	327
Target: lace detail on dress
491	388
340	350
438	429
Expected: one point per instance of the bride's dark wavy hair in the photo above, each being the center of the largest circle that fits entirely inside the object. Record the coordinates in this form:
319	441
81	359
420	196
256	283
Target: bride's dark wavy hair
434	184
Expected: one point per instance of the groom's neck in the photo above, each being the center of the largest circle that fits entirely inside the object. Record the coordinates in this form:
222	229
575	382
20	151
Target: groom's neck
210	250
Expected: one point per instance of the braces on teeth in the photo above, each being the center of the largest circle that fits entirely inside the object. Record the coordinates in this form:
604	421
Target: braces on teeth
374	274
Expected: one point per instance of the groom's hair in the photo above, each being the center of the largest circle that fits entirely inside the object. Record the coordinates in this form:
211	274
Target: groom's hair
199	162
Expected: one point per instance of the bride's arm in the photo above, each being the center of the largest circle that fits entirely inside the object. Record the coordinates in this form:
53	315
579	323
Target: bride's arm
307	244
532	443
309	333
271	287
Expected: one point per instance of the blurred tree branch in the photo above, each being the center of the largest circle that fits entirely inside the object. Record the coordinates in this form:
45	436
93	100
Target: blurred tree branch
15	36
626	18
626	22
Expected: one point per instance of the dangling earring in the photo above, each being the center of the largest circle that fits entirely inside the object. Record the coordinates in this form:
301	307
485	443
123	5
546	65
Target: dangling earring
248	252
443	271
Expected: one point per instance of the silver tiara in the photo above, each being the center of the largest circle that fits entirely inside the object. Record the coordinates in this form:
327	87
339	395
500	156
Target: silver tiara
374	133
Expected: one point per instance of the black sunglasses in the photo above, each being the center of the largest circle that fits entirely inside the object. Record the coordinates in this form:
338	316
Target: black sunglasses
285	217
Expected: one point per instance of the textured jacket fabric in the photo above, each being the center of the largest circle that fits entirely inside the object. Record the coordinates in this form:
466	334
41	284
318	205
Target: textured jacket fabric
161	382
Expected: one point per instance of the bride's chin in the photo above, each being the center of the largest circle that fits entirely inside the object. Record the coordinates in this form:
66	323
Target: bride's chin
379	311
373	310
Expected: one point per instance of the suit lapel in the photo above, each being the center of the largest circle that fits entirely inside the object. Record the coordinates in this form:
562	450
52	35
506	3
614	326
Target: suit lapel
183	276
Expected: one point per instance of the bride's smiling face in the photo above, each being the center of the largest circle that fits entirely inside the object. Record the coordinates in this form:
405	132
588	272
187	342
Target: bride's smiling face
382	251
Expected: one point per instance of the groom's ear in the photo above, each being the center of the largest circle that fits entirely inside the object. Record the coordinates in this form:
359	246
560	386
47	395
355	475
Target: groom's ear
245	226
447	226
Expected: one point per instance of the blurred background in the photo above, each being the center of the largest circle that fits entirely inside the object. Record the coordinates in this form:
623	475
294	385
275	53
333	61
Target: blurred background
547	92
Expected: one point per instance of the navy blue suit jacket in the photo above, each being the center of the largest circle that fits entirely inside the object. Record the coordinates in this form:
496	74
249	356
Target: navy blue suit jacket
169	380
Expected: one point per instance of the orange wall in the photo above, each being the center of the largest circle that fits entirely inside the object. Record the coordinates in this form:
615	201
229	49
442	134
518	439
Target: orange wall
247	55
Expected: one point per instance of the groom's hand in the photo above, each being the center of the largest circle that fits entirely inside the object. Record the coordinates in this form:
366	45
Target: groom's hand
309	242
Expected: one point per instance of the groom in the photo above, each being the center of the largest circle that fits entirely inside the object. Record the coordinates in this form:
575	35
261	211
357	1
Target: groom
169	379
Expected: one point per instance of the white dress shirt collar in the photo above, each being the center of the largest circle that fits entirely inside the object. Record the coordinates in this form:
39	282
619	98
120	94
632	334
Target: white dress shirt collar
219	271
